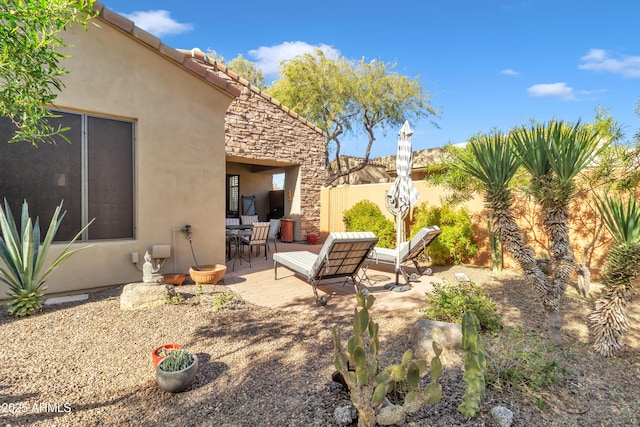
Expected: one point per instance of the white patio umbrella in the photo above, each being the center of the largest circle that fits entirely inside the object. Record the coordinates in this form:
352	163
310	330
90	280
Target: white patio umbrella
402	193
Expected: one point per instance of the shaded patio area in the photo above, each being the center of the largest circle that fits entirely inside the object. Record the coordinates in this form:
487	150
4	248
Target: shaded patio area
257	285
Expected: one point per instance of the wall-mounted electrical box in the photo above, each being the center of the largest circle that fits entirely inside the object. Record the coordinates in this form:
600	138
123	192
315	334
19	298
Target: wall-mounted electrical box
160	251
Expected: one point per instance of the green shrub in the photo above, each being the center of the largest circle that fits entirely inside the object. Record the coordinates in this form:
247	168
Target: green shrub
221	299
456	243
522	361
448	303
367	216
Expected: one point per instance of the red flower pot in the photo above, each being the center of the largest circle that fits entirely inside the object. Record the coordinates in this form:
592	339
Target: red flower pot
157	358
312	239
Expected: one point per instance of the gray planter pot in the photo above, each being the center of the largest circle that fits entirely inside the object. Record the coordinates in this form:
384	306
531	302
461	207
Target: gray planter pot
175	382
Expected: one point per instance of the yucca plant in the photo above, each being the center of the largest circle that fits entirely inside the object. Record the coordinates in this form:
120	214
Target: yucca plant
553	154
609	319
494	165
24	257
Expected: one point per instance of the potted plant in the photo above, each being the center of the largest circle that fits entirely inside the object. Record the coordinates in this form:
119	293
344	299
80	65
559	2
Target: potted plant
177	371
163	351
286	229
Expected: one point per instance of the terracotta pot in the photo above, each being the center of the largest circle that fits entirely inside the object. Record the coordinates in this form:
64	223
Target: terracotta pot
286	230
175	382
312	239
157	358
208	274
174	278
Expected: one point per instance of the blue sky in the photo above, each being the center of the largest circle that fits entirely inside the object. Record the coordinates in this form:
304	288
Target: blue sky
487	64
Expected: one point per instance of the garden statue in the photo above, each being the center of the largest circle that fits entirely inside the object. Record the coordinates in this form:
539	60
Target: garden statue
149	274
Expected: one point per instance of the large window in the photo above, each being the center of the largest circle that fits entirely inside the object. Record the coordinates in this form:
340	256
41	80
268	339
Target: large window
93	175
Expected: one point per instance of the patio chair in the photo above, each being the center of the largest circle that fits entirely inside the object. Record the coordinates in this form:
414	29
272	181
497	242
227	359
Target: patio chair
341	255
274	229
248	219
258	238
230	221
409	251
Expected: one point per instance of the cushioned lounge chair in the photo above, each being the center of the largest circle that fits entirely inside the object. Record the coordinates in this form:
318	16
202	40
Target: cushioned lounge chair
409	251
341	255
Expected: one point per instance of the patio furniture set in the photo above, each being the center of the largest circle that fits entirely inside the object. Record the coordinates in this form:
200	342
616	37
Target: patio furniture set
343	254
248	231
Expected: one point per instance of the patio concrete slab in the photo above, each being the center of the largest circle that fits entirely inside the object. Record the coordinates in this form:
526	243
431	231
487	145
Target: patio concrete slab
256	284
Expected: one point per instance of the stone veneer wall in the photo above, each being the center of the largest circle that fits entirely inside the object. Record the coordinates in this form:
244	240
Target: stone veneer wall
258	127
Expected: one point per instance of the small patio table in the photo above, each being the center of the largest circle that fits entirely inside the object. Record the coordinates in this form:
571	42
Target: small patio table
235	233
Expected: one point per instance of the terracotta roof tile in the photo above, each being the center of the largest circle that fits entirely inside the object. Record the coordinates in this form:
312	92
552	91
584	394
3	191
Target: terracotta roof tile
199	57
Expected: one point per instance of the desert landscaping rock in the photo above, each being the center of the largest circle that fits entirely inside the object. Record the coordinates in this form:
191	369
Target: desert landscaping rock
424	332
145	295
502	415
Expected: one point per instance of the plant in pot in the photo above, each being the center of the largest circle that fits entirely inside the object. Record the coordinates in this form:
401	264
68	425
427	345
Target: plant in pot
177	371
163	351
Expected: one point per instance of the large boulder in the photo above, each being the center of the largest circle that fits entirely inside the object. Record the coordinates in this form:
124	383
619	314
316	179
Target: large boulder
145	295
425	331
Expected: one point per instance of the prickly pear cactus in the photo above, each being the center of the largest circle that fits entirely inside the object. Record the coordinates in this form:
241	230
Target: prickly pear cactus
475	366
369	385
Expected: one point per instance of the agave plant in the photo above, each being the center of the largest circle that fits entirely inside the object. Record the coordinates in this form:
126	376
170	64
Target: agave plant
609	319
24	257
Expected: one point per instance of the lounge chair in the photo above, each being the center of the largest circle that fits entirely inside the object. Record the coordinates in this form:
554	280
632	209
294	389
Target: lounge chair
341	255
409	251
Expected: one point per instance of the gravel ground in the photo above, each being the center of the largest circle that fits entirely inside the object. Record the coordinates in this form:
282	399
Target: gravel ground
89	364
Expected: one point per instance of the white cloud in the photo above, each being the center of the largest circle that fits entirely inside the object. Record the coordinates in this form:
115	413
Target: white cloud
268	58
509	72
592	92
158	22
601	61
559	90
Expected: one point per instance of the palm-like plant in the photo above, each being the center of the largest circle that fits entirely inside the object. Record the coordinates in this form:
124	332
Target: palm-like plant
494	164
609	319
554	154
24	257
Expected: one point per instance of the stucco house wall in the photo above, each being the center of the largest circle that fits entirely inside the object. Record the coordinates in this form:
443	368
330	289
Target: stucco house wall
117	70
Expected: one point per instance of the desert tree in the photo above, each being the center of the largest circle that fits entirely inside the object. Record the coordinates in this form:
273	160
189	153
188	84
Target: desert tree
342	97
248	70
30	62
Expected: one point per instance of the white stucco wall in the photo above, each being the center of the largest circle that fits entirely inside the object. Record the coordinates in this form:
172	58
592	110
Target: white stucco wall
179	154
